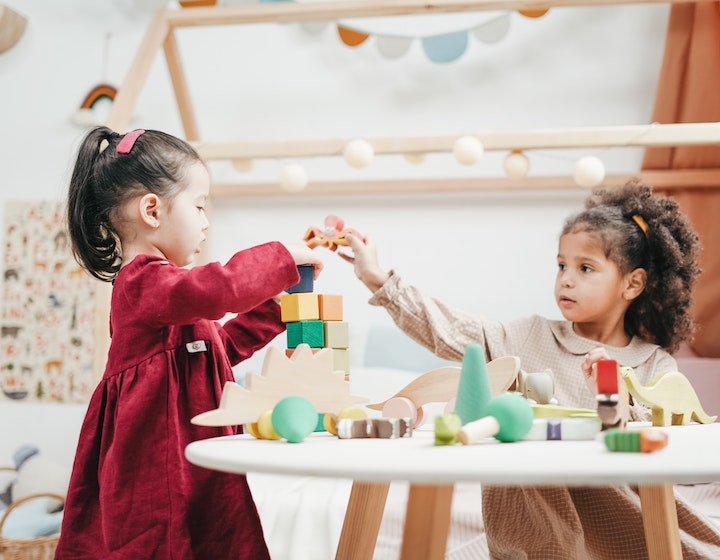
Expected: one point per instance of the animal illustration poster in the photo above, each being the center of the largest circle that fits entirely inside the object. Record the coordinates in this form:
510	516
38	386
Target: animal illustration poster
47	317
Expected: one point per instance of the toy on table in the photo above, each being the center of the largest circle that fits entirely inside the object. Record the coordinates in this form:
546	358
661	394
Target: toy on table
671	397
474	390
303	374
537	387
557	411
447	428
645	440
385	428
441	385
332	235
565	429
508	417
613	402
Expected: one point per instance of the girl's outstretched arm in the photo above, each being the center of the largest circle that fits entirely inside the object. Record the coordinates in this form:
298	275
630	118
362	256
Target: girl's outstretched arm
365	261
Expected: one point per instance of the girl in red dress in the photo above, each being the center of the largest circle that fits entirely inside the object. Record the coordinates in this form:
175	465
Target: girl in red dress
136	218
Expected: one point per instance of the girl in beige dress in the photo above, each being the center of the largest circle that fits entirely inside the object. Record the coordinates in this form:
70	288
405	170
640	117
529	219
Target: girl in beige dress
627	264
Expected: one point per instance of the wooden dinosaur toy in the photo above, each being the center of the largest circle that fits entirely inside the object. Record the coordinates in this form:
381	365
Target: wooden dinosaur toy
304	374
671	397
441	385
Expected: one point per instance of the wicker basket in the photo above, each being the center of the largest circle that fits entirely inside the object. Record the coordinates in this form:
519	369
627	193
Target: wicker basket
37	548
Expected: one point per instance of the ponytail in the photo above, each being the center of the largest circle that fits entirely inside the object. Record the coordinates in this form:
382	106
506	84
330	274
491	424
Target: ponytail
94	240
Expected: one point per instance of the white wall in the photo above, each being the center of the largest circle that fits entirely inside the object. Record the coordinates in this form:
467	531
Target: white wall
487	252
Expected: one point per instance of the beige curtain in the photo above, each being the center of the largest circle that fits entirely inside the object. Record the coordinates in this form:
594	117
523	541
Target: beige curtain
689	91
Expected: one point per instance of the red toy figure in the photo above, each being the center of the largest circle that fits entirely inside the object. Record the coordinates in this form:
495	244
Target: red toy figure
612	396
332	236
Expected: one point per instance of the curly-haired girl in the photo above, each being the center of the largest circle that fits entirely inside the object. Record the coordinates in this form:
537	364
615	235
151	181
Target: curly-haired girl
626	268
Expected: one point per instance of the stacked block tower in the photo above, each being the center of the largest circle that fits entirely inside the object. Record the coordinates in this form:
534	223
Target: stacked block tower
316	320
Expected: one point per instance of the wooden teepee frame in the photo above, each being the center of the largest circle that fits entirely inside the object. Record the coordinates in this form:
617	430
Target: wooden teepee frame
160	34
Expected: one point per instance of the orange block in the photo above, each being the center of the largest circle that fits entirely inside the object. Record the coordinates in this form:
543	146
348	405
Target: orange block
330	307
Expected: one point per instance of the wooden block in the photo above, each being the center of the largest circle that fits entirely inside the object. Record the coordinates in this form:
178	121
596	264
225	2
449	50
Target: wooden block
331	307
311	333
290	351
337	334
299	307
307	280
341	359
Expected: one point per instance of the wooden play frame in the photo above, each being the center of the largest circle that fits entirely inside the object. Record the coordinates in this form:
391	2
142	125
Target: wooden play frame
161	35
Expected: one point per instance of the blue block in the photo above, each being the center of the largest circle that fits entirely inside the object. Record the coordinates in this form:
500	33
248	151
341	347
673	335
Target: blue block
307	280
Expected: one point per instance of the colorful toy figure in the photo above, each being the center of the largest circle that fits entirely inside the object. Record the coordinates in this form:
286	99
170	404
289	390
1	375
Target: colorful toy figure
332	235
613	402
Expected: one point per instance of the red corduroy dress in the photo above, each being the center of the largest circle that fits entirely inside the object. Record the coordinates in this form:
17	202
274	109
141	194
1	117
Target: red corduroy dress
133	494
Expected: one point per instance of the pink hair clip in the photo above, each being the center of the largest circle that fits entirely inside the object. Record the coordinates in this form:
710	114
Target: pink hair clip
128	141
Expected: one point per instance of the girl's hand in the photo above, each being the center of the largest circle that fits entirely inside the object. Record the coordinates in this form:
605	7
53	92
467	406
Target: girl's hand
589	368
302	254
364	260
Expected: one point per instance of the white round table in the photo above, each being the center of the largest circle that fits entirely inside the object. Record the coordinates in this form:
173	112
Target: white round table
692	455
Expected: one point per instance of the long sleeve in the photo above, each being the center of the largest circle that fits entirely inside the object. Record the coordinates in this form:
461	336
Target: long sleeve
246	333
443	330
174	296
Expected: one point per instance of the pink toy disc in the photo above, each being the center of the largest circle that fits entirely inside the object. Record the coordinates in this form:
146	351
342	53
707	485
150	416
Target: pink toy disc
400	407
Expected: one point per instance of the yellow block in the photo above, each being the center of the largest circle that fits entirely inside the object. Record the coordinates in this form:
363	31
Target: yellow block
302	306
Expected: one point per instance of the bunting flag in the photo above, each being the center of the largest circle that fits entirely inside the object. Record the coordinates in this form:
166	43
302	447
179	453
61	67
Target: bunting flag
440	47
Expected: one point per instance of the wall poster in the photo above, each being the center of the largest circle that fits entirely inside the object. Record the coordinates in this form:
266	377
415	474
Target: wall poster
47	321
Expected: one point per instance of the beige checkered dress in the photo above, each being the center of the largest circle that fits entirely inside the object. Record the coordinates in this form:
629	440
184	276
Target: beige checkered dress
550	523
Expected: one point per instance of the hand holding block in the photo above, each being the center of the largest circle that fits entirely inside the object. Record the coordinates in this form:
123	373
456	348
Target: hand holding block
509	418
307	280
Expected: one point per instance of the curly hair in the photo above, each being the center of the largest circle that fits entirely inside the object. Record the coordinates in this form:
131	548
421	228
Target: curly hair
639	229
103	180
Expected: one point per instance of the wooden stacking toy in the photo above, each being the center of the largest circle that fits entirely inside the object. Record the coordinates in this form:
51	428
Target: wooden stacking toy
645	441
508	417
613	403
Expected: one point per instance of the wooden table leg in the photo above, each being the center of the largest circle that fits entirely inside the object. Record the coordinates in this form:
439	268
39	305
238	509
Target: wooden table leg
660	521
427	522
362	521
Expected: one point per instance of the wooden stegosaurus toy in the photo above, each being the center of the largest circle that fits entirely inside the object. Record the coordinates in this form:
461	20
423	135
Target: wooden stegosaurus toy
303	374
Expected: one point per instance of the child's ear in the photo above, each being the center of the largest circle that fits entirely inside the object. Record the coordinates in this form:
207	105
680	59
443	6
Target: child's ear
149	206
636	281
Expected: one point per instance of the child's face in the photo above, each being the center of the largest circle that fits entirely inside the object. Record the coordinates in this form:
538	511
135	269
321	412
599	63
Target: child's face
589	288
185	224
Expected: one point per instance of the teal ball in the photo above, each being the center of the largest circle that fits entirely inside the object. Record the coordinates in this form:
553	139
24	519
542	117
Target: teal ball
294	418
514	414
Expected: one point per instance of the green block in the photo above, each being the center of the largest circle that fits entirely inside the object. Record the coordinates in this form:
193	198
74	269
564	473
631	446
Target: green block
311	333
474	391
